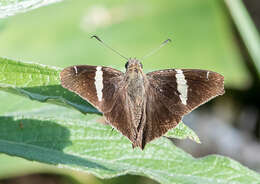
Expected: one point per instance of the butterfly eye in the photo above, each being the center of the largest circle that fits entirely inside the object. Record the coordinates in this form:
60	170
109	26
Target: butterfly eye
126	65
141	65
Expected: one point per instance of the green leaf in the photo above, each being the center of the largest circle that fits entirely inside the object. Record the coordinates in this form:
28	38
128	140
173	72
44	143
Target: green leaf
39	82
72	140
181	131
11	7
66	138
42	83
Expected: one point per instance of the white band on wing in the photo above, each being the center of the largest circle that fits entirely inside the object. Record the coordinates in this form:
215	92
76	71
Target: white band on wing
182	86
99	82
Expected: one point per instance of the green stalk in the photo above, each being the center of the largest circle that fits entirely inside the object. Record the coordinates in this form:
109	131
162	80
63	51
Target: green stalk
247	30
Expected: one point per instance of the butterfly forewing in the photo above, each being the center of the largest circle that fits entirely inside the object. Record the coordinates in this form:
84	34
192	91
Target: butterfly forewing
95	84
182	90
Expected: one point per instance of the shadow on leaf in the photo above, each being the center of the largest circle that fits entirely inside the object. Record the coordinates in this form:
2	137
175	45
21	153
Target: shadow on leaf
54	94
40	140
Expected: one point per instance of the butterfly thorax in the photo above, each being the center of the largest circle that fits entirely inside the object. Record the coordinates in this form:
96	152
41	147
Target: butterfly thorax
135	89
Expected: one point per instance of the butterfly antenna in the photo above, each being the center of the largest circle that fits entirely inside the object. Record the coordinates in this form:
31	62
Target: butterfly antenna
107	46
156	49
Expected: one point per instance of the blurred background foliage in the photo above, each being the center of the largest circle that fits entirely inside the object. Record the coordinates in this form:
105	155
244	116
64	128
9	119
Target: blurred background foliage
204	36
59	35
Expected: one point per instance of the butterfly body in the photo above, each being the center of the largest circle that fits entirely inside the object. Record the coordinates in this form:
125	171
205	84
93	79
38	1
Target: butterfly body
142	106
135	98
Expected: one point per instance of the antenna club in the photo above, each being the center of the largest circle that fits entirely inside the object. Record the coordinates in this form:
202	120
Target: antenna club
96	37
156	49
168	40
107	46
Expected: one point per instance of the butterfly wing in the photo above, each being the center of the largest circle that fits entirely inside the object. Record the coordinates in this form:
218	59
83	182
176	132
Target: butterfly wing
95	84
174	93
120	116
159	118
90	82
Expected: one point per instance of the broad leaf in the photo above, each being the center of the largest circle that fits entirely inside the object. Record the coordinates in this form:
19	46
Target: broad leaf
66	138
38	82
11	7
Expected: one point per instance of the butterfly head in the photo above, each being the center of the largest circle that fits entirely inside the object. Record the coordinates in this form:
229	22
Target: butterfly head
134	70
133	65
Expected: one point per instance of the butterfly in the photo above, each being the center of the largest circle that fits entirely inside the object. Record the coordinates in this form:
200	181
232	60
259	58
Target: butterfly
142	106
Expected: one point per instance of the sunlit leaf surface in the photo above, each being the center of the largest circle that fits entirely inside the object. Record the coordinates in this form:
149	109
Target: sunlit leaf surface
67	138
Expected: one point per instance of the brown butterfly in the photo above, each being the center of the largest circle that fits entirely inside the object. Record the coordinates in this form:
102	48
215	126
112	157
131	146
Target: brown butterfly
142	106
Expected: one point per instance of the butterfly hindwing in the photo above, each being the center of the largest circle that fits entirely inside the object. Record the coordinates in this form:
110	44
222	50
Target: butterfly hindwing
159	118
95	84
120	116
